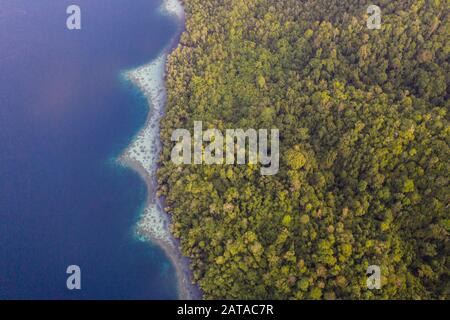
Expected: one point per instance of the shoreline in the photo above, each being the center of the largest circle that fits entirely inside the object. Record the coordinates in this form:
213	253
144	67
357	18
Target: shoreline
143	153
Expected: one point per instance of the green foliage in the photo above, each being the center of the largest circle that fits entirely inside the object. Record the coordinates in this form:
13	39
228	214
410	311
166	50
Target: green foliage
364	167
295	159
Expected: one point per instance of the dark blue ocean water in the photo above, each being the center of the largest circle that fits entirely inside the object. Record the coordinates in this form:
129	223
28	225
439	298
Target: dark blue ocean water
65	115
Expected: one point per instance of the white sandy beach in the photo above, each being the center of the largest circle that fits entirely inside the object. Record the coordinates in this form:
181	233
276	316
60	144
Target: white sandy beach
142	155
173	7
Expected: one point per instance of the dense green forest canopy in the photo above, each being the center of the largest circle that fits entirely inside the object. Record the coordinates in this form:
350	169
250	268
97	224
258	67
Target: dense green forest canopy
364	148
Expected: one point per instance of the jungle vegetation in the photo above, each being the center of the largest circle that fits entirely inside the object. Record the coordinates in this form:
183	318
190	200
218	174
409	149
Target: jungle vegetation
364	148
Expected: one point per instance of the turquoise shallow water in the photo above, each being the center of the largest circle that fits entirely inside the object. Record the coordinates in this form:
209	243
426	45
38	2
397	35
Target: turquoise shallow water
65	115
